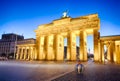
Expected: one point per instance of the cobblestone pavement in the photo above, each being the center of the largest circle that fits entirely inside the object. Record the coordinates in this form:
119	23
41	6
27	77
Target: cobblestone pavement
56	71
32	70
94	72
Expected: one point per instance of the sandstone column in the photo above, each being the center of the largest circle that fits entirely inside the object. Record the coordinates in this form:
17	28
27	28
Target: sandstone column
55	45
114	56
83	46
21	54
118	54
41	53
31	53
34	53
49	47
108	45
111	50
30	56
27	58
18	54
96	52
100	60
25	55
38	45
28	52
46	47
112	47
99	47
102	56
58	47
68	47
71	46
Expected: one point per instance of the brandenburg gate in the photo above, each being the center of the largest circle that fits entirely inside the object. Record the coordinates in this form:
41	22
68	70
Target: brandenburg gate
50	37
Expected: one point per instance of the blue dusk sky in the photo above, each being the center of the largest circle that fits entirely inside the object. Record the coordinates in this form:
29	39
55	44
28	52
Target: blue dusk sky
24	16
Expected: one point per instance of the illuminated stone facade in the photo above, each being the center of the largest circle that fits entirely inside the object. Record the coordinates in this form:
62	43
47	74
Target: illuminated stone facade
50	41
112	44
50	37
26	49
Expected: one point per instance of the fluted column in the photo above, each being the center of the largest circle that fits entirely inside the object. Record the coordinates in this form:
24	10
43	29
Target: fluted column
102	57
33	56
21	54
83	46
118	54
71	46
113	51
38	38
99	47
96	37
34	53
114	56
58	47
55	45
41	54
46	46
112	48
49	47
68	47
25	51
31	53
108	51
18	54
27	54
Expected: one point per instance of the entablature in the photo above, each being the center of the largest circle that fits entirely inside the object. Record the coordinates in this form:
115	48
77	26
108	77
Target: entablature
110	38
69	24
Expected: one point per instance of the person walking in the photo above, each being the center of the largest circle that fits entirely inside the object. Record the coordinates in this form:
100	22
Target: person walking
79	67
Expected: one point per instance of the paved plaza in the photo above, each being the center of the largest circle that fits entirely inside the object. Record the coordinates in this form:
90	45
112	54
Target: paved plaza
33	70
57	71
94	72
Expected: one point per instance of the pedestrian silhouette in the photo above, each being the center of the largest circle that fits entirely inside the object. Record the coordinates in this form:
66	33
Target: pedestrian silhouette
79	67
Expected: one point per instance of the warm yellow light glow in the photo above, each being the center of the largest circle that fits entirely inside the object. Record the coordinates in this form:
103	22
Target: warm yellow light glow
50	40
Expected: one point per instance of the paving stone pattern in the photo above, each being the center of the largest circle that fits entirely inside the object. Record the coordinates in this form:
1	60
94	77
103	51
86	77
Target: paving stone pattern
94	72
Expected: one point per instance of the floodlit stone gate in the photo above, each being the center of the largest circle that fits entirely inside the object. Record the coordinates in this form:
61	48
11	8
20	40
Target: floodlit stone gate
49	43
112	44
50	37
26	49
26	52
